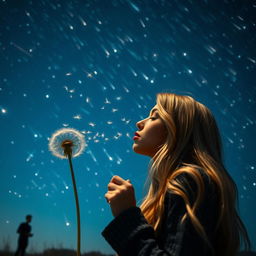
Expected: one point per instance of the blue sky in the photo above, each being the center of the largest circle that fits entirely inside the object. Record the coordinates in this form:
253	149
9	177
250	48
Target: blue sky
96	66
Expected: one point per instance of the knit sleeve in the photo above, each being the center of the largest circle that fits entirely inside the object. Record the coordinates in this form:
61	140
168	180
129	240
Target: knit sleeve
129	234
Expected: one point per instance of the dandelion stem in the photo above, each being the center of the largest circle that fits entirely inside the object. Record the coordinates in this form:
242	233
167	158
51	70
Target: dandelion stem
77	204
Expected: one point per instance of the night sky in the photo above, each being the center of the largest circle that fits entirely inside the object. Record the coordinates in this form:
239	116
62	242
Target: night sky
96	66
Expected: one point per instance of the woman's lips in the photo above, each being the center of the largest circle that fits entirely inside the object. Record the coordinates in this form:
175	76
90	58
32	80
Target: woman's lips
136	136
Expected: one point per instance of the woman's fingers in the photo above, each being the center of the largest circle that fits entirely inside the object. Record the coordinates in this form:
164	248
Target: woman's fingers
109	195
118	180
122	184
112	186
120	195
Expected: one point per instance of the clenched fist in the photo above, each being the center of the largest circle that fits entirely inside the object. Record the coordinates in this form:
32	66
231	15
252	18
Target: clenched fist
120	195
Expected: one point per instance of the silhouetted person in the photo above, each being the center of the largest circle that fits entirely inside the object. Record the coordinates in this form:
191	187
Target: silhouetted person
24	231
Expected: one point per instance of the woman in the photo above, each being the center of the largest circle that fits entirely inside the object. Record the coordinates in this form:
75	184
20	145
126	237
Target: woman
190	208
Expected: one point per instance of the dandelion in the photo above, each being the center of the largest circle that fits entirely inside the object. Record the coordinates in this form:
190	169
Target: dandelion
61	137
68	143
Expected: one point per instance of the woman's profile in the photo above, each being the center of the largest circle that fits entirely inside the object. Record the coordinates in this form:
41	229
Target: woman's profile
190	207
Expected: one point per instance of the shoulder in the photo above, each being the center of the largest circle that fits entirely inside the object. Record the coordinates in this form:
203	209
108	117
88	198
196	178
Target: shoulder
192	181
21	226
191	175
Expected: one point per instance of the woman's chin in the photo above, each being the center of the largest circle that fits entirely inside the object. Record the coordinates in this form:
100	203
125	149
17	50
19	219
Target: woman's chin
136	148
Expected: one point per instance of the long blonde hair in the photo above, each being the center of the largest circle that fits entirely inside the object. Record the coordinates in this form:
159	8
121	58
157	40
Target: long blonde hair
193	141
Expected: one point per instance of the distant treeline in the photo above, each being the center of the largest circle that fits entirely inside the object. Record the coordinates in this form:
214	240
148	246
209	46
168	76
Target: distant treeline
57	252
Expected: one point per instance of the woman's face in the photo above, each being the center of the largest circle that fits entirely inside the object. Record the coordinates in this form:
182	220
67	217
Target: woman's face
151	134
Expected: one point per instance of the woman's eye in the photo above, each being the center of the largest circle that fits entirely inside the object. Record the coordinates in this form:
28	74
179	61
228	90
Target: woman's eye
152	118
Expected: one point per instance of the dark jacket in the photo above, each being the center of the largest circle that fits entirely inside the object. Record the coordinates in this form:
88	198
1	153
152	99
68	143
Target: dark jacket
24	230
129	234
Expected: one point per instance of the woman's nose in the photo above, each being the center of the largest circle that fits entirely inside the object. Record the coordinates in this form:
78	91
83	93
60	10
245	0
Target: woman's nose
140	124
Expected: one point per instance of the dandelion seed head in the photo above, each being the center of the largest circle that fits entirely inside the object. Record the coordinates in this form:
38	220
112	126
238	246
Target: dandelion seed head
67	134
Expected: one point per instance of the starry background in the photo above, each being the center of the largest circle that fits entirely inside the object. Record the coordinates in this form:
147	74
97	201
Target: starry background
96	66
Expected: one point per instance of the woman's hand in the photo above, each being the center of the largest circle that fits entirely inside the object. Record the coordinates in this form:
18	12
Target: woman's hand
120	195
